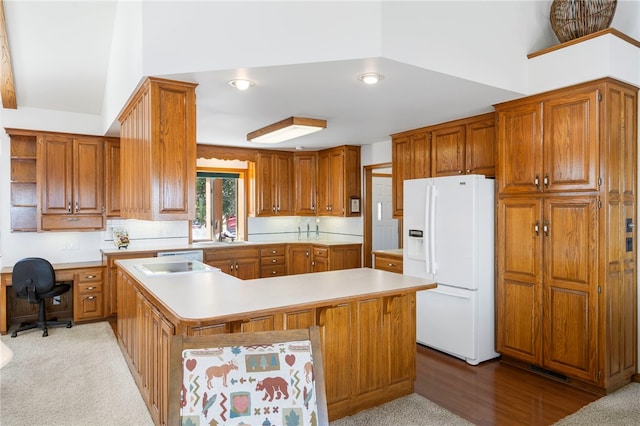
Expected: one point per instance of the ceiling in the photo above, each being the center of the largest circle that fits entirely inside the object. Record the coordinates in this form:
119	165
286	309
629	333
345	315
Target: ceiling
63	66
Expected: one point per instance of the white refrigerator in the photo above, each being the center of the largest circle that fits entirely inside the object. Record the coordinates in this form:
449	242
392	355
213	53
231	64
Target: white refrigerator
448	229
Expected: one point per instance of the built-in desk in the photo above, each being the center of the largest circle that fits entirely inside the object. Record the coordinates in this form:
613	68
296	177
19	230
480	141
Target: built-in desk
87	294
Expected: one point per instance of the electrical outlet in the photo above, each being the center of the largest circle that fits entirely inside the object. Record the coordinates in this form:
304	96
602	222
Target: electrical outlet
56	300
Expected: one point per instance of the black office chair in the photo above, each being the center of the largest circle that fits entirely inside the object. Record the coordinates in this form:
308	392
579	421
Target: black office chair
34	279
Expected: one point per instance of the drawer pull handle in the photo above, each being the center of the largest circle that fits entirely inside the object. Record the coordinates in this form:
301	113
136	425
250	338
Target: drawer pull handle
274	251
274	261
391	264
90	297
90	276
90	288
274	272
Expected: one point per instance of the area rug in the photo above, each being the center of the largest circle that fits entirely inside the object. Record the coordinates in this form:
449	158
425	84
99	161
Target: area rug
621	407
75	376
411	410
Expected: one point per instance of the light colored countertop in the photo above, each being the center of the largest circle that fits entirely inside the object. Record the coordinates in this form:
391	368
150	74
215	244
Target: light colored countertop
393	252
222	245
204	295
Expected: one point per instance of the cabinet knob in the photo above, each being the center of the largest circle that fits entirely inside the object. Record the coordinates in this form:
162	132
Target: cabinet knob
90	276
90	288
274	272
274	261
391	264
468	170
89	297
69	207
459	172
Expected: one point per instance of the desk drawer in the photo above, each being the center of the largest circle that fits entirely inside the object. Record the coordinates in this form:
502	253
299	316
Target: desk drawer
321	252
272	260
90	276
388	264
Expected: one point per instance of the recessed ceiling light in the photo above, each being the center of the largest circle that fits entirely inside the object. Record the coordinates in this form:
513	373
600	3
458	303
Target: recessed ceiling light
370	77
241	84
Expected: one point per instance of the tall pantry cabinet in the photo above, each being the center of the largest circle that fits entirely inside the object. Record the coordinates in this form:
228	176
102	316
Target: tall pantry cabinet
566	238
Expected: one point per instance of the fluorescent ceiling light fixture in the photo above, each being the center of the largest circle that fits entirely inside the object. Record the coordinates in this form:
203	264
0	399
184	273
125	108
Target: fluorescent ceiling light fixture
289	128
241	84
370	77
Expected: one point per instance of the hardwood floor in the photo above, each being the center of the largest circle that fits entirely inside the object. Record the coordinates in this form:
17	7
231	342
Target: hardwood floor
493	393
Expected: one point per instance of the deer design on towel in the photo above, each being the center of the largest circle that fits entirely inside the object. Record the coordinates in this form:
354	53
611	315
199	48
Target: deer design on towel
220	371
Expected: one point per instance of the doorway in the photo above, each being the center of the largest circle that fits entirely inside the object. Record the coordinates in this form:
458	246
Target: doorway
381	230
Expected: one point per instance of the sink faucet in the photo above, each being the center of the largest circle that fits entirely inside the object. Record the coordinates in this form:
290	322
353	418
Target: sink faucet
307	230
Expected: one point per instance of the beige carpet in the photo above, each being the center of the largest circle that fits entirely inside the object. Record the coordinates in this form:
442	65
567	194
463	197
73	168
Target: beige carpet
411	410
75	376
621	407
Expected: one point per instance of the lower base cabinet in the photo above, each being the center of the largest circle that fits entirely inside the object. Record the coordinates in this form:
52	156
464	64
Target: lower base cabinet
368	345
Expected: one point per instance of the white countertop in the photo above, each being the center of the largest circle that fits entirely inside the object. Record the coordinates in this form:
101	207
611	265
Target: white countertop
223	245
202	295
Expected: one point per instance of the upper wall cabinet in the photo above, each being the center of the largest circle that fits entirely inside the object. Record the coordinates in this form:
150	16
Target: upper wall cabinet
24	184
411	159
158	151
339	181
71	177
305	175
274	183
465	146
553	143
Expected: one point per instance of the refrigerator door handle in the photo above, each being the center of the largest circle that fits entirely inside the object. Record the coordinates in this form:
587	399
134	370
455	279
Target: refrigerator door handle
432	230
426	242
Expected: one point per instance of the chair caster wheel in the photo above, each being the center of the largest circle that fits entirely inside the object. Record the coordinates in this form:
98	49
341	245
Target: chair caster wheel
69	325
14	334
45	333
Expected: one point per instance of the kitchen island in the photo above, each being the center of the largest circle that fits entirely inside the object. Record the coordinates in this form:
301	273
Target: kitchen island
366	319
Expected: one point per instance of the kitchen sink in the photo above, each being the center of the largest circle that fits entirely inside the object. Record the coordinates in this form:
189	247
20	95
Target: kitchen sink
220	243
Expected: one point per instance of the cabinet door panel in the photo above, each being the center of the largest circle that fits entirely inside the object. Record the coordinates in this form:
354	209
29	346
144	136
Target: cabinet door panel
247	269
401	164
570	286
336	335
420	159
284	184
448	150
336	189
520	149
305	184
56	170
265	185
519	280
299	261
481	148
370	347
88	176
571	142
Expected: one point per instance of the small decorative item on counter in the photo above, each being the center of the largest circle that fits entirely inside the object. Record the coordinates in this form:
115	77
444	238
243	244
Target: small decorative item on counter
571	19
121	238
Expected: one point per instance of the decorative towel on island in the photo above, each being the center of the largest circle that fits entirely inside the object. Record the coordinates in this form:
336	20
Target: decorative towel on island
265	385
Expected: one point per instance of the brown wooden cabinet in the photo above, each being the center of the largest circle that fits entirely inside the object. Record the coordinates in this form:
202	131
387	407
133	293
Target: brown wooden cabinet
273	261
71	180
88	294
464	146
411	159
299	259
112	182
243	263
304	166
565	239
145	334
388	261
338	180
110	282
158	151
24	189
274	184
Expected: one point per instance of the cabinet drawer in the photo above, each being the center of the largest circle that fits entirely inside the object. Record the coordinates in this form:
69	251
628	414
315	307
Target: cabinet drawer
71	222
272	260
90	276
321	252
388	264
273	251
230	253
273	271
89	288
